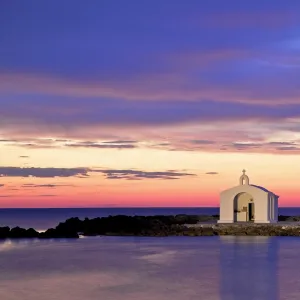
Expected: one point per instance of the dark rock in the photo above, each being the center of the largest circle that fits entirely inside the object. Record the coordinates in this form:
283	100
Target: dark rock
32	233
4	232
18	232
179	225
58	233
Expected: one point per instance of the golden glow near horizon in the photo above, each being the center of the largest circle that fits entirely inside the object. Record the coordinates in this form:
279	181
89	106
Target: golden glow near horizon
96	190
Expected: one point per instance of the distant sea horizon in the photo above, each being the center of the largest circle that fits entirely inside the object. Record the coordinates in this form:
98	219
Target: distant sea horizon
127	207
44	218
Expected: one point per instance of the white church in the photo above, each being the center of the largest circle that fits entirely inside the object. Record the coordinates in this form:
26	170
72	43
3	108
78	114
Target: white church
248	203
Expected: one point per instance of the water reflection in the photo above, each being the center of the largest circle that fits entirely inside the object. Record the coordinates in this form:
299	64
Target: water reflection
209	268
7	245
249	268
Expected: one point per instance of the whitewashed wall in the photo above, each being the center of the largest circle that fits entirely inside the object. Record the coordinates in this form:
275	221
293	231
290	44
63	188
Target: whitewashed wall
262	205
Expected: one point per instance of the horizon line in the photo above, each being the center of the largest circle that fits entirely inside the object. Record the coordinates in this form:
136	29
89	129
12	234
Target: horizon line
125	207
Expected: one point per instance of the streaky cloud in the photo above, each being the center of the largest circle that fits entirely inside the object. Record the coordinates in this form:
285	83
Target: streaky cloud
203	142
101	146
84	173
120	142
32	185
117	112
41	172
139	175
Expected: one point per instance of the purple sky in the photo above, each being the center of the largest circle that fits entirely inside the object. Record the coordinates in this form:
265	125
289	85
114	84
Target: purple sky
65	64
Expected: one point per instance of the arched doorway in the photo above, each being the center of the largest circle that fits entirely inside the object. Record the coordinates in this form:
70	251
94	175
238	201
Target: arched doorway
243	206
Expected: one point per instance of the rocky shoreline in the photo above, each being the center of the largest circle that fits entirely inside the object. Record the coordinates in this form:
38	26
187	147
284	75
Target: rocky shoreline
160	226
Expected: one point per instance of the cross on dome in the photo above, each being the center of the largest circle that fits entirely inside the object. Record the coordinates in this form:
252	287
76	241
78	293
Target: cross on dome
244	179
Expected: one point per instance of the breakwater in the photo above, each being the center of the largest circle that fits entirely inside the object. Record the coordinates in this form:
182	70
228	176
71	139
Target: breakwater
179	225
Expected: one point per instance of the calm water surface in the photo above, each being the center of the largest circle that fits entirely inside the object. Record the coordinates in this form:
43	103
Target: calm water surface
208	268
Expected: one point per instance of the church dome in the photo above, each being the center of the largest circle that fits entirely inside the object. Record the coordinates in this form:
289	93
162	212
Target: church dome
261	188
264	189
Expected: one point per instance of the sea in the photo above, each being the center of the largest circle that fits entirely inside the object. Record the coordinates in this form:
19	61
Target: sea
145	268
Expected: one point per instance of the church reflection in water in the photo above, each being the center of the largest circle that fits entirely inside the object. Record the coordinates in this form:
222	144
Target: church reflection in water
249	268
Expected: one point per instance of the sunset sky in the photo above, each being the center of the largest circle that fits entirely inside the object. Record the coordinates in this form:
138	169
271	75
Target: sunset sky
147	102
